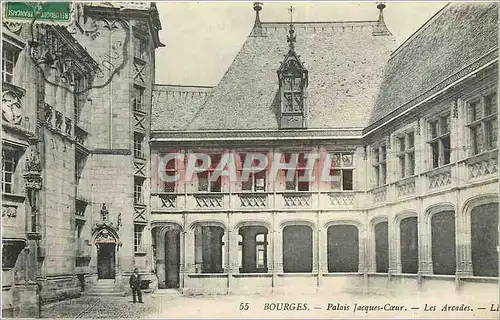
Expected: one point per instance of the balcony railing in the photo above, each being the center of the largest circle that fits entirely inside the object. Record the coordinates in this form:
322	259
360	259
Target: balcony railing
261	201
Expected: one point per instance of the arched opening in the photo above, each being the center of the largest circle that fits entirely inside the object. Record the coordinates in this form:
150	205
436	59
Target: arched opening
484	241
209	249
297	249
409	245
253	249
443	243
343	248
382	247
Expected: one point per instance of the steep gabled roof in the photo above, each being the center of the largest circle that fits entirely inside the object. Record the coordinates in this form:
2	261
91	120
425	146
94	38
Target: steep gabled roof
458	39
345	61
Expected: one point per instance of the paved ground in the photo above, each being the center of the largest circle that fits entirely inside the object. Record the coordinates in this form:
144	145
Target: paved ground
161	305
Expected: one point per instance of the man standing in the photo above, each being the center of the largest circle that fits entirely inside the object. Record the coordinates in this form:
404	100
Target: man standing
135	284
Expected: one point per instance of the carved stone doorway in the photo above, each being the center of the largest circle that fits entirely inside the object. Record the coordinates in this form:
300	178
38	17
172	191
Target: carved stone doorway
106	260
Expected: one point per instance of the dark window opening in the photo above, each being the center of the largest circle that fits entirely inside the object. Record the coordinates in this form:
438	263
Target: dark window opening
382	247
343	248
297	249
409	245
443	243
484	232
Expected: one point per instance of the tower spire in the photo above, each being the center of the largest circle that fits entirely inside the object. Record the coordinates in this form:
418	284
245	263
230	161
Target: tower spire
291	33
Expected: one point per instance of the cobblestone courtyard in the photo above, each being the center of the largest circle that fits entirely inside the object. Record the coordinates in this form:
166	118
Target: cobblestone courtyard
167	305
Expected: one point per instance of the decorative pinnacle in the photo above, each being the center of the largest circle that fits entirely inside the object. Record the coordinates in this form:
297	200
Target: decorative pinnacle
291	36
381	7
257	28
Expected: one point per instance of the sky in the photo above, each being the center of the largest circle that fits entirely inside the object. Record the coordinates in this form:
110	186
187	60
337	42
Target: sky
202	38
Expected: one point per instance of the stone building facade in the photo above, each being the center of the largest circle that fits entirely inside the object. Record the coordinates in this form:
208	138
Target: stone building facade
413	136
411	132
74	104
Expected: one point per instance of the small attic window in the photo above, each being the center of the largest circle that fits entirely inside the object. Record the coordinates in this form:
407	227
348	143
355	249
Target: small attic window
293	94
292	78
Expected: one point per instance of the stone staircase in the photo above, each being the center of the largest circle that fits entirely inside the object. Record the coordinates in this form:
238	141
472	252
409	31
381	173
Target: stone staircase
105	287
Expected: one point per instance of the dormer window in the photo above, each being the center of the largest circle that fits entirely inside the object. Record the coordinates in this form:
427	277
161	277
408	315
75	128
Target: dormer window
292	77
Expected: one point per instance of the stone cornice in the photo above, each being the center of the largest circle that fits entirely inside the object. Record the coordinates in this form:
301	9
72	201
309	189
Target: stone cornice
254	135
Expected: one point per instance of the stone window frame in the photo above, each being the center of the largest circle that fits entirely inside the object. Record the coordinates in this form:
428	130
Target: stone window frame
211	186
138	97
138	190
139	145
253	177
139	238
11	155
481	123
438	139
405	152
341	167
140	45
170	186
10	56
299	170
379	163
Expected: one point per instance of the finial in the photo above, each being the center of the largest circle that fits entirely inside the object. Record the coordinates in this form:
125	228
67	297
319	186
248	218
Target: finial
291	36
381	7
257	27
381	28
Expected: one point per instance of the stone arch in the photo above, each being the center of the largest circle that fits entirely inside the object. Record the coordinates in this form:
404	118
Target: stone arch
207	223
396	240
253	255
428	244
168	256
208	246
105	234
372	245
295	222
107	256
466	237
257	223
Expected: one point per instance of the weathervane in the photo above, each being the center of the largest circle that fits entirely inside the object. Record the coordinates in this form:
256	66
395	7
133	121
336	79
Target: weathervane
291	37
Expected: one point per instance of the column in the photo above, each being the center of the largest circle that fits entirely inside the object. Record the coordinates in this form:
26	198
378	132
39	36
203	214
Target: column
278	251
394	247
189	254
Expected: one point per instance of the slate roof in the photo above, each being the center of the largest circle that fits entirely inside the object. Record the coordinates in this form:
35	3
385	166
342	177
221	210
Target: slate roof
441	51
175	105
345	63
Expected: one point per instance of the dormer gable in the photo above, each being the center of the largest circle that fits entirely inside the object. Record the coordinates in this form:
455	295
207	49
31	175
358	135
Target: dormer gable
293	81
